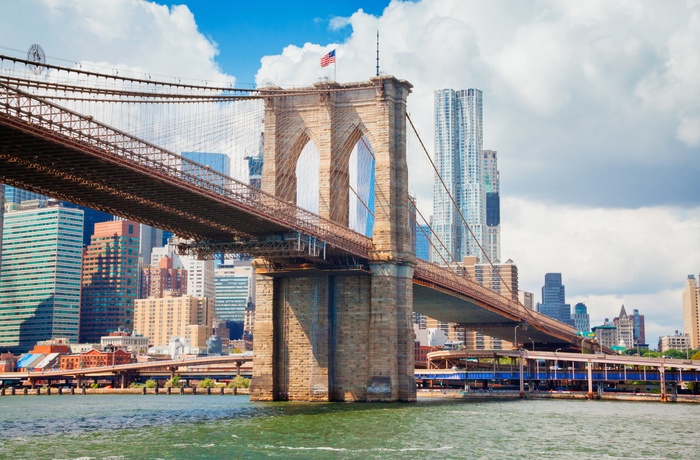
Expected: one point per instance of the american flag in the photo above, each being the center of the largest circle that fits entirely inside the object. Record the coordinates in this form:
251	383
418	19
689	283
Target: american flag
328	59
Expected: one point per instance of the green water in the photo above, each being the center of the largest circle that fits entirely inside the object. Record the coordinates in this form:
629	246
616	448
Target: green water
204	427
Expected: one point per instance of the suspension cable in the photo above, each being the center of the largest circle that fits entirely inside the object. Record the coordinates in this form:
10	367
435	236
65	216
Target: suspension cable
493	268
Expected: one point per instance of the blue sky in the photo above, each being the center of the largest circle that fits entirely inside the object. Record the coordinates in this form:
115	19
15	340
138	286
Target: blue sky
244	34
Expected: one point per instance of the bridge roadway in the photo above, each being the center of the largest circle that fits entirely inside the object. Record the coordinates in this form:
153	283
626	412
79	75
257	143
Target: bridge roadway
53	151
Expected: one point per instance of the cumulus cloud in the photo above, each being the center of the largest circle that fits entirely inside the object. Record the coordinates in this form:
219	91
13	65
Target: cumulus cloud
127	35
592	107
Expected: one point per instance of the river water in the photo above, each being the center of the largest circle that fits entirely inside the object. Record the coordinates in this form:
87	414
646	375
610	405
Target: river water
223	427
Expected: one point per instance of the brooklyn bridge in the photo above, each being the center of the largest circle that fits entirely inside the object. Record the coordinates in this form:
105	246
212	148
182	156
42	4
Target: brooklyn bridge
334	306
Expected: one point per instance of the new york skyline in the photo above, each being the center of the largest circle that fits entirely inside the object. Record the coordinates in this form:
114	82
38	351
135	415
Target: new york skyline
593	109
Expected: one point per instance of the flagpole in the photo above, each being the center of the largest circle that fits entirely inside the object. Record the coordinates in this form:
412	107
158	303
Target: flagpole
335	69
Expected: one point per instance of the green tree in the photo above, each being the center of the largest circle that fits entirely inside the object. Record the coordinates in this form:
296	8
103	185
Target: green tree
673	353
696	355
174	382
239	382
207	383
150	383
236	351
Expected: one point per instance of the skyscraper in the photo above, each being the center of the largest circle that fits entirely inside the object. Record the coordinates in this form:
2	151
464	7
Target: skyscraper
110	279
217	161
492	184
200	277
235	287
422	242
554	299
639	332
691	307
90	218
40	276
174	315
582	321
458	158
625	329
17	195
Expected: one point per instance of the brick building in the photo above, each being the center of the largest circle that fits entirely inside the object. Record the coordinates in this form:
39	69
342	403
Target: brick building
95	358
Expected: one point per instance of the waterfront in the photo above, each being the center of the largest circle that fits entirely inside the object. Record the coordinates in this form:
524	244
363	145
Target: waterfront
202	427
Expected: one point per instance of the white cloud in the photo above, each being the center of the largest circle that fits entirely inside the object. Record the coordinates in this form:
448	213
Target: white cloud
592	107
130	35
608	257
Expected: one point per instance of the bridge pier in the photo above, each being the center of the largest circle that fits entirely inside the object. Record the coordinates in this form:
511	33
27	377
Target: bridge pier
332	337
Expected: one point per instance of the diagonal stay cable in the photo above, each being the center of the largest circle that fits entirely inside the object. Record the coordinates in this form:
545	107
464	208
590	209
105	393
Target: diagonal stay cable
464	221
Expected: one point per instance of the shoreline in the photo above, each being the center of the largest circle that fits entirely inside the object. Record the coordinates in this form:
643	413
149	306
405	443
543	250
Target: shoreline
580	395
421	394
122	391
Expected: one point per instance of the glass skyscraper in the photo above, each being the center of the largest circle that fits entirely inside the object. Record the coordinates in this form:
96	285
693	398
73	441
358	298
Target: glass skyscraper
554	299
582	320
40	276
458	158
234	289
217	161
18	195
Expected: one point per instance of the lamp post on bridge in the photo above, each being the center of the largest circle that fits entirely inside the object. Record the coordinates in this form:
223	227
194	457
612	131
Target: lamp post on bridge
515	334
533	343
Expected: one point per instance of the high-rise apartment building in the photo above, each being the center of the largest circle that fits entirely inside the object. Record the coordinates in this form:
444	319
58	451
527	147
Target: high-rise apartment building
459	162
691	313
200	277
174	315
499	278
235	287
155	281
110	279
527	299
40	276
582	320
554	299
492	184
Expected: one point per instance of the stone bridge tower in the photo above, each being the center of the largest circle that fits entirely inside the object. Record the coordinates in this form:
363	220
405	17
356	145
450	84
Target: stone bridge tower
330	335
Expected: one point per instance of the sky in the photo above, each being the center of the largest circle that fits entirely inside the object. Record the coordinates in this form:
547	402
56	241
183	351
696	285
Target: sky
593	107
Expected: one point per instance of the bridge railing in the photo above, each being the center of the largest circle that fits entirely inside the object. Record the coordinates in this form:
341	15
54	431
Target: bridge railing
447	278
54	122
